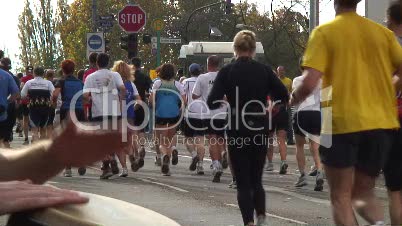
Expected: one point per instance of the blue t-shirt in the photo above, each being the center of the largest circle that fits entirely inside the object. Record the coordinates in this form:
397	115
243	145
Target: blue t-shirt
131	93
7	87
70	86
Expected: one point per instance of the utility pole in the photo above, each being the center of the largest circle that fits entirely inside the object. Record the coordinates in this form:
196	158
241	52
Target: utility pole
314	14
94	15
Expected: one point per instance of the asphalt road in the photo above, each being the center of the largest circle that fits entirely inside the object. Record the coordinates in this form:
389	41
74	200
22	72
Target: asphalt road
194	200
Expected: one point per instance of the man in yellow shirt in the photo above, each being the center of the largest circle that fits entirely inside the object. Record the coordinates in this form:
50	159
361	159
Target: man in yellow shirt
356	59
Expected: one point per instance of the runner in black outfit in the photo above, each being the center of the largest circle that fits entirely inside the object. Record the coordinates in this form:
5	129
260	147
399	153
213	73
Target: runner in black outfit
246	84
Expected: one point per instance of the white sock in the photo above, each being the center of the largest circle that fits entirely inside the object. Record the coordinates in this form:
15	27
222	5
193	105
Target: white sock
380	223
194	154
173	147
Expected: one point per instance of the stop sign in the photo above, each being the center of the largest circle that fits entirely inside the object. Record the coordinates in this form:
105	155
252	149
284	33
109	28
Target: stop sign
132	18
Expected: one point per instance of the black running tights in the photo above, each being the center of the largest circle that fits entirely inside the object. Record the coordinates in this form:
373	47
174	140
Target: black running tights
248	165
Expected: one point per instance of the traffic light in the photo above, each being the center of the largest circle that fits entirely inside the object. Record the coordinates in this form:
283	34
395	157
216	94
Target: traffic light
147	39
130	44
107	47
228	7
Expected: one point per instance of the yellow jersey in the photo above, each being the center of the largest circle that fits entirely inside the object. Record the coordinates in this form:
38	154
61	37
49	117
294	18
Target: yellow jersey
287	82
357	58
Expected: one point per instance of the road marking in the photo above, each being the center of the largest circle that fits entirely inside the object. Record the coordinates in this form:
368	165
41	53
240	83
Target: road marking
163	185
296	195
184	156
273	216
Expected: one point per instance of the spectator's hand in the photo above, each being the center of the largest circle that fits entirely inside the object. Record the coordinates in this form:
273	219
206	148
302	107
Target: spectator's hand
17	196
78	148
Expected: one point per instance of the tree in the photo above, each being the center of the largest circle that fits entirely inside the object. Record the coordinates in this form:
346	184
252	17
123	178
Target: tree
37	31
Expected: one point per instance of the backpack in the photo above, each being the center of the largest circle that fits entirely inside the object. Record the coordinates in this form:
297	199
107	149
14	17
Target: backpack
168	100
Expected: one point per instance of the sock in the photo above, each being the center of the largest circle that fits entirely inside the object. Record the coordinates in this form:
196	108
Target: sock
173	147
302	173
194	154
216	163
283	161
380	223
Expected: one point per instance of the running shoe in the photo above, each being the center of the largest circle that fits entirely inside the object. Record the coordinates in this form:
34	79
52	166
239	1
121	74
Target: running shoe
68	173
193	165
233	184
26	142
114	166
106	174
124	172
141	161
313	171
262	221
20	135
270	167
165	165
105	165
319	181
284	168
200	168
158	161
82	171
217	173
225	162
301	182
175	157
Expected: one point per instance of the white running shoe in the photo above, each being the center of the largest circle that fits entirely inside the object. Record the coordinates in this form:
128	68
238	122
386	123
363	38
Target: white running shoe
270	167
68	173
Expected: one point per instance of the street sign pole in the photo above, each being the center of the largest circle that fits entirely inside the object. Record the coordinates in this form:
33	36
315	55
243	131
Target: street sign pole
158	47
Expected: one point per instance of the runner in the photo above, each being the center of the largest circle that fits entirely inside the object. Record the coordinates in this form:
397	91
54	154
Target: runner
247	83
356	58
39	91
104	88
8	93
307	123
5	64
194	127
167	98
215	120
132	96
49	75
18	128
158	161
393	167
281	72
92	68
24	103
278	126
143	84
67	88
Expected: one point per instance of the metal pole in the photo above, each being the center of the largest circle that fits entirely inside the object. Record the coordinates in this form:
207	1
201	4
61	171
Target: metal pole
313	14
317	12
94	15
158	49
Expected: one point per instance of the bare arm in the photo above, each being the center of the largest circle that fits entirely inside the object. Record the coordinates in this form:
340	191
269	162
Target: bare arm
311	81
55	95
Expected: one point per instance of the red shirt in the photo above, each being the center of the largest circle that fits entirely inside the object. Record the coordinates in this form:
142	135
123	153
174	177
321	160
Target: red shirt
400	104
25	79
88	72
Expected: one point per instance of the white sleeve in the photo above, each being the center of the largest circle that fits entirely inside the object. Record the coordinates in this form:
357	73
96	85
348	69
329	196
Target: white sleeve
185	86
135	90
180	88
197	90
24	91
118	80
156	86
87	84
51	87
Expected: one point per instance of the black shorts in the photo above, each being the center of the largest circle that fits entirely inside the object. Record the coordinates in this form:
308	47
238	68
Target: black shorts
19	112
25	109
393	166
193	127
280	121
39	116
166	121
4	131
139	119
52	115
217	127
79	113
366	150
307	122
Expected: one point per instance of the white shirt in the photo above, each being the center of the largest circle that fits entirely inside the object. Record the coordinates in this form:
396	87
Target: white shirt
312	102
202	88
197	109
104	88
37	84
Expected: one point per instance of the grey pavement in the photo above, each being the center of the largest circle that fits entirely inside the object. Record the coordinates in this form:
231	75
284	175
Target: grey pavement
194	200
